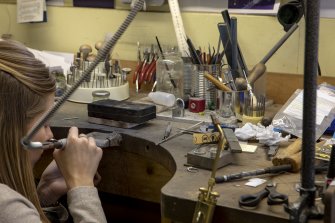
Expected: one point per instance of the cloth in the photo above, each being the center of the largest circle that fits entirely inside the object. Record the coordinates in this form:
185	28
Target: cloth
84	205
265	135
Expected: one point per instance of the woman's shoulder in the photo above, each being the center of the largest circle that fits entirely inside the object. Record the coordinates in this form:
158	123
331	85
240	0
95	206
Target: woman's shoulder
6	191
13	198
11	201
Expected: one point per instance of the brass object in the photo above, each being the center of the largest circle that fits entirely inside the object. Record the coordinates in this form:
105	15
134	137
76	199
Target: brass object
207	198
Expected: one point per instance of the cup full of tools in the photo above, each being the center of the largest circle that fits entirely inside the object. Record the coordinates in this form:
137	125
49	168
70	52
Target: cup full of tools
230	104
201	87
254	108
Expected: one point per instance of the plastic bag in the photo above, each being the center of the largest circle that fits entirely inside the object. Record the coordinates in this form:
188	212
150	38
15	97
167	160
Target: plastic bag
289	117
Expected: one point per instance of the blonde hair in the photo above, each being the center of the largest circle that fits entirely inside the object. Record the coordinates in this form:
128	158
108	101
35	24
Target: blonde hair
25	83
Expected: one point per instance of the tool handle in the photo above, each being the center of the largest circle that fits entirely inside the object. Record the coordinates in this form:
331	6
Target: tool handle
152	66
257	71
291	155
252	200
216	82
141	77
137	71
277	198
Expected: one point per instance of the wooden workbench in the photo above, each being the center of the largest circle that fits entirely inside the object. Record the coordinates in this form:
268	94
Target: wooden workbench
140	169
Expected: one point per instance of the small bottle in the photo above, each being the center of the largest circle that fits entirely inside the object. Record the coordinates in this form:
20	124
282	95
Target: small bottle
169	73
100	95
162	98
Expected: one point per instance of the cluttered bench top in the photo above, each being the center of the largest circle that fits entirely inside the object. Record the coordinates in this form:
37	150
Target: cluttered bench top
178	196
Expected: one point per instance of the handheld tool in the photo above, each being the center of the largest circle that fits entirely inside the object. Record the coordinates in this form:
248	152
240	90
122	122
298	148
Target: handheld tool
204	209
291	155
179	133
252	200
235	176
216	82
166	66
260	68
102	140
167	130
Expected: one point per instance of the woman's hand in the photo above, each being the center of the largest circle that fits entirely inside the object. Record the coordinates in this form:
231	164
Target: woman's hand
79	161
52	185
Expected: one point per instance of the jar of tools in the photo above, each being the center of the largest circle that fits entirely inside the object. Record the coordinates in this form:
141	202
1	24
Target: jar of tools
169	74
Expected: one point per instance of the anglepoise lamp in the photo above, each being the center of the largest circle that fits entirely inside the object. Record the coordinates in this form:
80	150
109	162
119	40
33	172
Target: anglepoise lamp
289	13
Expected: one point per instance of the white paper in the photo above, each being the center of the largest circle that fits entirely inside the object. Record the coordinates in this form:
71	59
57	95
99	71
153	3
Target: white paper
254	182
52	60
248	148
30	10
325	103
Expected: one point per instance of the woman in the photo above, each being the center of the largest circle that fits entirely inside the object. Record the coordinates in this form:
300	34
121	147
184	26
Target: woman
27	92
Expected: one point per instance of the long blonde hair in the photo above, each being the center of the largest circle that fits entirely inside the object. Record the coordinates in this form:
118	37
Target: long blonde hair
25	83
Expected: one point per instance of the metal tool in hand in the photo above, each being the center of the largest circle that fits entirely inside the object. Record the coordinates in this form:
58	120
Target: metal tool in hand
252	200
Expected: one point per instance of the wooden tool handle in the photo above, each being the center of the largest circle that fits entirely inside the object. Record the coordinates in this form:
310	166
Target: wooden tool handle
294	160
288	152
216	82
257	71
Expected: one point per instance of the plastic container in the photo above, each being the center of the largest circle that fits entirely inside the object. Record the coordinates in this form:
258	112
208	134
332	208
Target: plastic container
162	98
169	73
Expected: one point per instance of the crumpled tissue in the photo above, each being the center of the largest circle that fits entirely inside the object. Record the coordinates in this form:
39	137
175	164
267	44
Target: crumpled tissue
265	135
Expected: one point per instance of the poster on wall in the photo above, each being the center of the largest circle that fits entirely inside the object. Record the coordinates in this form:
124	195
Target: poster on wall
253	6
327	9
267	7
235	6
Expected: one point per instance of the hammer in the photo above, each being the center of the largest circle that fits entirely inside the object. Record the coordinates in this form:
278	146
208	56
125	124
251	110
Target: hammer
260	68
290	155
288	159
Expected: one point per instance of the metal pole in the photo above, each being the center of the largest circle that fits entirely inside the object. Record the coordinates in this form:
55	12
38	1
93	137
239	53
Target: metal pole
310	85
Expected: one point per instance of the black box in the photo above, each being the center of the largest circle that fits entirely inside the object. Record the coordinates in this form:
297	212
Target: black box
122	111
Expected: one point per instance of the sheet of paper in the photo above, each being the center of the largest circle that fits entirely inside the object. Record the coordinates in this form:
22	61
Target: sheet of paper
248	148
325	103
30	10
52	60
255	182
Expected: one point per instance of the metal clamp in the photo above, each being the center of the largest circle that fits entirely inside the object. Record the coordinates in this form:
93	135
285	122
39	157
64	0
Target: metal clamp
178	110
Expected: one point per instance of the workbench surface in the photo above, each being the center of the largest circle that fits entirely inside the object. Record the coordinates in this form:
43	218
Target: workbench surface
178	194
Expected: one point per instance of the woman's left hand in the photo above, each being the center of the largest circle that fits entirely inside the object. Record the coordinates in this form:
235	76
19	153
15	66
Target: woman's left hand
52	185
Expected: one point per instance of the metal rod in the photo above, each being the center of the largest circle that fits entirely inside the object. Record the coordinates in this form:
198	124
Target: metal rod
310	86
279	43
226	18
179	133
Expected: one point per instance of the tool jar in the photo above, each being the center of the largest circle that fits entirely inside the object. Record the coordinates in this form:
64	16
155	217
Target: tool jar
169	74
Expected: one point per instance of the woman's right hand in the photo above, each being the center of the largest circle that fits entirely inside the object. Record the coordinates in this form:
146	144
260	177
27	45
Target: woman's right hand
79	160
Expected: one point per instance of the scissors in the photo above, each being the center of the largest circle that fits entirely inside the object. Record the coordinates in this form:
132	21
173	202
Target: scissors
252	200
